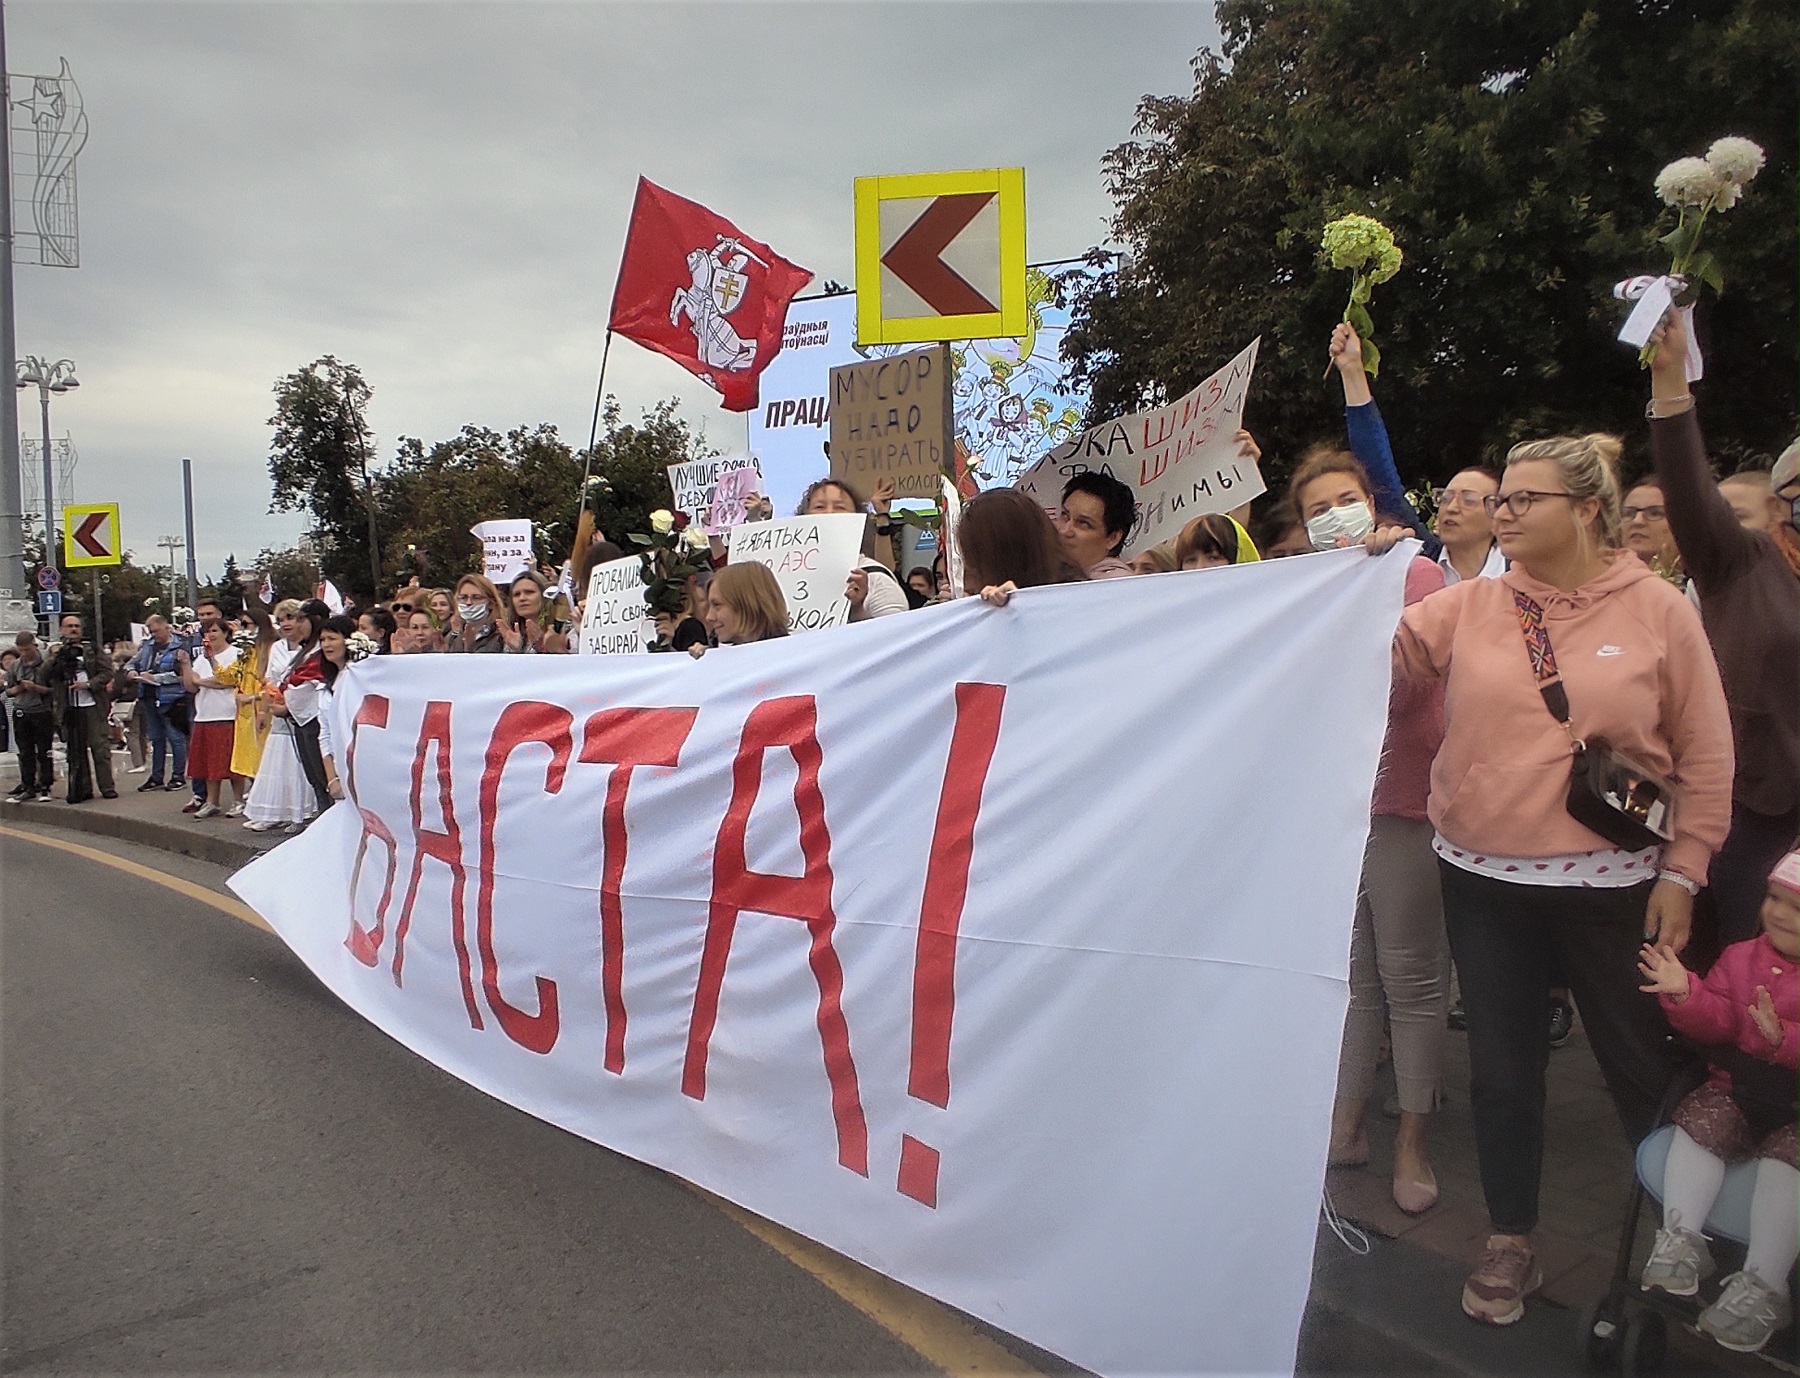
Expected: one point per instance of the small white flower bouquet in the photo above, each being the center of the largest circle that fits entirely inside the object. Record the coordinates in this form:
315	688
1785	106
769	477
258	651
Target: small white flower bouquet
1696	188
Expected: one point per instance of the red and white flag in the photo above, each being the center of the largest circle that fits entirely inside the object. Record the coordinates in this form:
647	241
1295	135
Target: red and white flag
328	595
696	288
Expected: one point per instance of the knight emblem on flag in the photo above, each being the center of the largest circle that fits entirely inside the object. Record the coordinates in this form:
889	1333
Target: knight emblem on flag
696	288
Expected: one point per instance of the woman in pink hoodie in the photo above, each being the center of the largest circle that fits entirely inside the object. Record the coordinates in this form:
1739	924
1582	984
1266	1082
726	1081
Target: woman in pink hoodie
1526	887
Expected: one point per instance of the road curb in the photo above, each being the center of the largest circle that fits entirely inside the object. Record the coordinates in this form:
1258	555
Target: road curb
218	849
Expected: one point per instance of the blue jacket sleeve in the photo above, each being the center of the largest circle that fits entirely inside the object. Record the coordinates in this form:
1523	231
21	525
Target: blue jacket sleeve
1369	443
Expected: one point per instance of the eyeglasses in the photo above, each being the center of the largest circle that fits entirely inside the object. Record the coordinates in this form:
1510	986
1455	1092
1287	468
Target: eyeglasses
1460	497
1649	514
1518	503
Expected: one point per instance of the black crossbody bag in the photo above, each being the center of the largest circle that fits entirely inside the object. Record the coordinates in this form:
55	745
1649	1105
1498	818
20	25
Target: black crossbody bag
1610	794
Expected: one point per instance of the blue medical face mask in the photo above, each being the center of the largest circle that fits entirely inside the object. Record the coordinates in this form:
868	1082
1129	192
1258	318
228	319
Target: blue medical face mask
1340	526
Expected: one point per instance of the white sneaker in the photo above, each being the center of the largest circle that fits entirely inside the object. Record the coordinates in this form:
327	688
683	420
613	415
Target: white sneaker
236	810
208	811
137	770
1679	1262
1747	1313
259	825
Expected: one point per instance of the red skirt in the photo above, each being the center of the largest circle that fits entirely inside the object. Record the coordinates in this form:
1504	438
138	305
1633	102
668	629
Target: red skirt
209	751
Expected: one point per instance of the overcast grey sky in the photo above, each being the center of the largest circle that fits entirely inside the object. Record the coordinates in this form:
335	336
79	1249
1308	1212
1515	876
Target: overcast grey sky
439	192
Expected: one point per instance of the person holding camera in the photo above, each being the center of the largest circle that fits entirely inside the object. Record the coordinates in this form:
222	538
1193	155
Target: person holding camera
81	678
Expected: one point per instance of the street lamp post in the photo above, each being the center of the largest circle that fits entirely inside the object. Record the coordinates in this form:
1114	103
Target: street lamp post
171	544
58	377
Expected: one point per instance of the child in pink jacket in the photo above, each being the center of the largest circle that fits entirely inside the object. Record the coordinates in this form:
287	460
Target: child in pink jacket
1748	1004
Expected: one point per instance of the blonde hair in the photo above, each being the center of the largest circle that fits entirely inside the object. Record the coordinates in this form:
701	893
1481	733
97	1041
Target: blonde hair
751	591
1589	468
1162	556
287	607
497	605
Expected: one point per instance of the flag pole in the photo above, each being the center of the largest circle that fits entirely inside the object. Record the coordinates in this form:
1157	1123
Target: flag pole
594	429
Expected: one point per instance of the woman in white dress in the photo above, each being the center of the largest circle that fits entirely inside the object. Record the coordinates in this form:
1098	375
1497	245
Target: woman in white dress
281	796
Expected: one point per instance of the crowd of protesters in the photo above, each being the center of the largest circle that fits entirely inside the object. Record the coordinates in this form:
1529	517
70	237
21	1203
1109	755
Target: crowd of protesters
1553	614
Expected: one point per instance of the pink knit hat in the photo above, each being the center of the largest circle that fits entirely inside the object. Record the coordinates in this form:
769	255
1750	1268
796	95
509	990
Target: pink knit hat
1787	873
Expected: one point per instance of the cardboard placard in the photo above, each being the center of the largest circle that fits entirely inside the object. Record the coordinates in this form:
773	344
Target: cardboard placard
893	418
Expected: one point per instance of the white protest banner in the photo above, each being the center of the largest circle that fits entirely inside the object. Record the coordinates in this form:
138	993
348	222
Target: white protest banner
693	482
1051	1035
616	620
1180	459
505	548
812	558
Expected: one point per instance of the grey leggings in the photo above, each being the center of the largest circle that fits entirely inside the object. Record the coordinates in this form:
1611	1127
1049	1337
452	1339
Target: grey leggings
1397	956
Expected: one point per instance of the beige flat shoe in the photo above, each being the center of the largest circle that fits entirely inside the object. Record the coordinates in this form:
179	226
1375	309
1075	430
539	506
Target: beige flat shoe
1416	1196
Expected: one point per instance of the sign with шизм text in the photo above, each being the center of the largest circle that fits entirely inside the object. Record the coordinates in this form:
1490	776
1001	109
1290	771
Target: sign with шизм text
1180	460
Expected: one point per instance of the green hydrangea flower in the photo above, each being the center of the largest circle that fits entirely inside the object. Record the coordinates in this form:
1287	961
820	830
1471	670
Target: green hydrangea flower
1365	247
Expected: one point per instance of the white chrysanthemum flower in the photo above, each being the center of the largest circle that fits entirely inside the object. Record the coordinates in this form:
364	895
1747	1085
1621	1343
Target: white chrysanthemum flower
1727	196
359	646
1735	159
1688	182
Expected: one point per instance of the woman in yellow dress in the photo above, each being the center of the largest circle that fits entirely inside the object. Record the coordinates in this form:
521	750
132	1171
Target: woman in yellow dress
245	676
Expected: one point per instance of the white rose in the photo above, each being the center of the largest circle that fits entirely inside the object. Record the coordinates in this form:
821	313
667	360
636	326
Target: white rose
662	521
1736	160
696	539
1688	182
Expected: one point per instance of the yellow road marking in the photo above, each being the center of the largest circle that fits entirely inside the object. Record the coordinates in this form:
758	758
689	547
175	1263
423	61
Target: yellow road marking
940	1336
223	903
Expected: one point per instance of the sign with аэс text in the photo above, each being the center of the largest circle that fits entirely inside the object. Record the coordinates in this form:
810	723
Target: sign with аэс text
616	620
811	557
893	418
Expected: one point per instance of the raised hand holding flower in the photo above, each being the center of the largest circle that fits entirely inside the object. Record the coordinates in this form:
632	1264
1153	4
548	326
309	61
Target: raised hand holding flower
1365	247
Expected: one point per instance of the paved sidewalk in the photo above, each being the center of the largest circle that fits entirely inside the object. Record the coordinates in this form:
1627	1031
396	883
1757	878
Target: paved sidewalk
1393	1310
153	818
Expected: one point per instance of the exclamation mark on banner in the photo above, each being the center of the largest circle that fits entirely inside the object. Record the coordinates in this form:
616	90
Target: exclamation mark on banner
940	916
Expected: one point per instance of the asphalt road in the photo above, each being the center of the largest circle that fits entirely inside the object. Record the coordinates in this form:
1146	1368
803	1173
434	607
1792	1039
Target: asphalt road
212	1165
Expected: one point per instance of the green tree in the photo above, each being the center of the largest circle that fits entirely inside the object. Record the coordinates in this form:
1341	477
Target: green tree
125	594
632	464
292	573
319	464
430	496
1511	148
228	589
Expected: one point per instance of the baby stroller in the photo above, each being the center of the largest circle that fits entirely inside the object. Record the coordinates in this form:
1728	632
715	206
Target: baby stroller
1627	1328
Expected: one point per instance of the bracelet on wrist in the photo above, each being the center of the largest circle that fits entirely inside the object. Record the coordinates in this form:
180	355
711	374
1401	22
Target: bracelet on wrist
1661	408
1687	883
